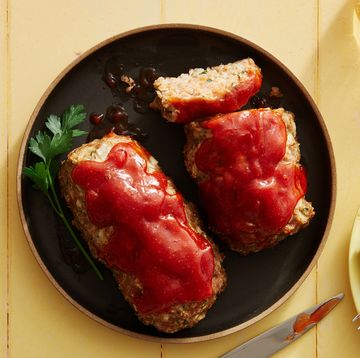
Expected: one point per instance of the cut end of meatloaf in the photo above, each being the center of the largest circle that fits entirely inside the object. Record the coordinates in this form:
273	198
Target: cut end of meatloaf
179	316
247	242
203	92
301	217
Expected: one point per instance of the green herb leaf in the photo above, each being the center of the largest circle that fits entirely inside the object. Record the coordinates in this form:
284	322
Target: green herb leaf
48	148
78	133
43	173
38	175
54	168
53	123
73	116
60	143
40	145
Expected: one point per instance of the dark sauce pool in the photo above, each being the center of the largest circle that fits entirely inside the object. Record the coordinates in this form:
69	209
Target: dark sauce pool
114	120
123	88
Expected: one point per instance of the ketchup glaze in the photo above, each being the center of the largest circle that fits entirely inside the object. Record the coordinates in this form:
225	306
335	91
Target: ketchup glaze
248	191
305	320
152	240
189	110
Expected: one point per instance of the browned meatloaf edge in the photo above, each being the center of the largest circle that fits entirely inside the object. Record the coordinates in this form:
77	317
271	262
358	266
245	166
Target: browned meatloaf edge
179	316
303	211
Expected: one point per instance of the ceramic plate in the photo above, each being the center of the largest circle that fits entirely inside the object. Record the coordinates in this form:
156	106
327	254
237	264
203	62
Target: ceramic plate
257	283
354	261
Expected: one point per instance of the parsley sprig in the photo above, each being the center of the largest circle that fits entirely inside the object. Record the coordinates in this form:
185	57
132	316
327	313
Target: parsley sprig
48	146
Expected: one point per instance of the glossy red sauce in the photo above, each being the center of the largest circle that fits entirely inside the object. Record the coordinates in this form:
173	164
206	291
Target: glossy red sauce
232	101
152	239
248	194
304	319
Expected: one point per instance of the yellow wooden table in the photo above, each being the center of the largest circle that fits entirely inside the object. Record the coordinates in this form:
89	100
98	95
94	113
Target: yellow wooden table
38	38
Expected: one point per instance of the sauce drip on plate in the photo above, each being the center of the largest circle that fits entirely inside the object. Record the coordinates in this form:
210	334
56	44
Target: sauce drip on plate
152	239
125	87
115	120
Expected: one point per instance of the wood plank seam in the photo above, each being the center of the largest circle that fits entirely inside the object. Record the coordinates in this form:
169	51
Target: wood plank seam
7	112
317	98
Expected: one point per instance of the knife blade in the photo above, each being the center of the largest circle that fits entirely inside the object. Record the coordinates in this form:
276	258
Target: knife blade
276	338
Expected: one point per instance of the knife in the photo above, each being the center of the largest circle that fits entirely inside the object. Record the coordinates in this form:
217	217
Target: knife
271	341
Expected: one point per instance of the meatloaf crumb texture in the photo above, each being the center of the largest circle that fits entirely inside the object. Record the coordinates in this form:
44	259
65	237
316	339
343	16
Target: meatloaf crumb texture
203	92
303	211
179	316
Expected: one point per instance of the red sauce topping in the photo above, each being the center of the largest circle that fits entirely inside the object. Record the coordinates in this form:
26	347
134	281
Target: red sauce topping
304	320
249	195
232	101
152	239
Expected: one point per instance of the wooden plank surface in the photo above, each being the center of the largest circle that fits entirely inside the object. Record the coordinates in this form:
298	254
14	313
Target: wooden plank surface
3	178
339	94
313	38
44	38
255	20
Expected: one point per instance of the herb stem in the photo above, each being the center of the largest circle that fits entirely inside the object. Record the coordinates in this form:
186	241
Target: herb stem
52	188
52	203
81	248
61	214
48	145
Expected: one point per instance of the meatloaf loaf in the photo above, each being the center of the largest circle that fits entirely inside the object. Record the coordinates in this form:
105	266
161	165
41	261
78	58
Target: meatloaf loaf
137	223
203	92
251	181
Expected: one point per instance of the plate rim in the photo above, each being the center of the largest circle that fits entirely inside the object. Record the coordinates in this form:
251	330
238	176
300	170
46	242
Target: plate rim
353	245
172	26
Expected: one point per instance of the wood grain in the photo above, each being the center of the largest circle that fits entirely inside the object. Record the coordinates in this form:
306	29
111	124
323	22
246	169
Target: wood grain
313	38
3	179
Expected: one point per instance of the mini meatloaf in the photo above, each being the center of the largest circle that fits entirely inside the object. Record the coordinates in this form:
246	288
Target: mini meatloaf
251	182
199	93
137	223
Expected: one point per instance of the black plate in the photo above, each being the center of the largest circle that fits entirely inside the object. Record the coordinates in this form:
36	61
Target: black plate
257	283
